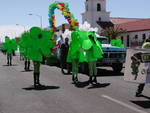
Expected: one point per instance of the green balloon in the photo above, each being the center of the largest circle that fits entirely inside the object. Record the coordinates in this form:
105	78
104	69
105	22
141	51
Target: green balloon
86	44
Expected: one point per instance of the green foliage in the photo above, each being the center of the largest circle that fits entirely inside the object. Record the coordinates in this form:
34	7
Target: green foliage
112	33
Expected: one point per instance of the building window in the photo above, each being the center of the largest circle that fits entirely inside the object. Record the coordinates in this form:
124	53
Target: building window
136	37
128	40
99	19
98	7
122	39
86	7
144	36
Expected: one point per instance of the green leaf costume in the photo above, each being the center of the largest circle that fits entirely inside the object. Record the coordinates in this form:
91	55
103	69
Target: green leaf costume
9	45
95	52
117	43
37	43
83	48
23	43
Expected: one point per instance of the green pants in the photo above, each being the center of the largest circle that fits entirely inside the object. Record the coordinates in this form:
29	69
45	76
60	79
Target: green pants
92	68
75	64
36	66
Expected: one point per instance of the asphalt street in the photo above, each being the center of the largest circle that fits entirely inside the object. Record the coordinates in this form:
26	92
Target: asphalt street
112	95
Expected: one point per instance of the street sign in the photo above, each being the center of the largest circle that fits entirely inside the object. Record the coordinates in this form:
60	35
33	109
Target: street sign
137	66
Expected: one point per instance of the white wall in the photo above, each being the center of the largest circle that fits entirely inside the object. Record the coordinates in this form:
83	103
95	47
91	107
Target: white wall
11	31
92	15
132	36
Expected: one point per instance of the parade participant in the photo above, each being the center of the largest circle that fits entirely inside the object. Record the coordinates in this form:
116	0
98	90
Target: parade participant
63	56
9	46
92	55
76	58
76	53
38	44
75	64
23	50
59	42
27	64
146	45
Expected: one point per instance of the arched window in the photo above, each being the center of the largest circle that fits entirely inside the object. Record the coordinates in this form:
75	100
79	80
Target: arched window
87	7
122	39
128	40
98	7
99	19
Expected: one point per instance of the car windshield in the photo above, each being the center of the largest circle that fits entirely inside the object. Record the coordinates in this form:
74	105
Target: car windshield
103	40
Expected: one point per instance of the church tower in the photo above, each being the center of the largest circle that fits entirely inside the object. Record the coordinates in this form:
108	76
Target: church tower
95	11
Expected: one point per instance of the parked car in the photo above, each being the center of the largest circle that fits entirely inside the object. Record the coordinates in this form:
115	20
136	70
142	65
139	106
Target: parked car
113	56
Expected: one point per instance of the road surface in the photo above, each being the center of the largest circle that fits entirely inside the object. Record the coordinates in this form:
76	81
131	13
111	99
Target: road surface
112	95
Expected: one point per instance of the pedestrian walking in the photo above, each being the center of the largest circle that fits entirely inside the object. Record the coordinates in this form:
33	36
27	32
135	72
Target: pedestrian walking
146	45
27	64
63	56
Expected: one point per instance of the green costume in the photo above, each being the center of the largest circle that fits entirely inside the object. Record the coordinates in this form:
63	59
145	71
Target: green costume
9	46
76	53
117	43
23	48
146	45
37	43
92	55
83	49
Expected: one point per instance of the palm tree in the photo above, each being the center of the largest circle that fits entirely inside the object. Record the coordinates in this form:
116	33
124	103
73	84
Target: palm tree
112	32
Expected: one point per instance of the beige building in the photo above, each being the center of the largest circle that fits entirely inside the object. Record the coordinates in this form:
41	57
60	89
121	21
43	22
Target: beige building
95	12
138	29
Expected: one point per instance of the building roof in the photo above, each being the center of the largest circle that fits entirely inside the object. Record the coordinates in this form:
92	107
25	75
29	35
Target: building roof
136	25
105	25
119	20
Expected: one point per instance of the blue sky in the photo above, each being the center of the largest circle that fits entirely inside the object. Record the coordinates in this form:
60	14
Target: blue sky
16	11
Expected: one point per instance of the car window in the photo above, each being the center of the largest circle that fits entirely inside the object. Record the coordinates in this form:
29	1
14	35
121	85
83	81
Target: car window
103	40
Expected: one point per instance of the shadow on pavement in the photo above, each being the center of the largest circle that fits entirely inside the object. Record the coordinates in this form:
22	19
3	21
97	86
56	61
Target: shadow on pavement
105	72
143	104
99	85
27	71
82	84
41	88
11	65
145	97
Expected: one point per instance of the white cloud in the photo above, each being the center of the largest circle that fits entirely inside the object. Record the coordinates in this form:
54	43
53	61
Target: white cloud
11	31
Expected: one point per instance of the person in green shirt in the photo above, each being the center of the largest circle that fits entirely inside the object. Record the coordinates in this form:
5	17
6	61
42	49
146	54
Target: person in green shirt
146	45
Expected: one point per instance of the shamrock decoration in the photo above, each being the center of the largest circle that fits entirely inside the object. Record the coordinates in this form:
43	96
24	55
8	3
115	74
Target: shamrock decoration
23	44
117	43
9	45
37	43
81	43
